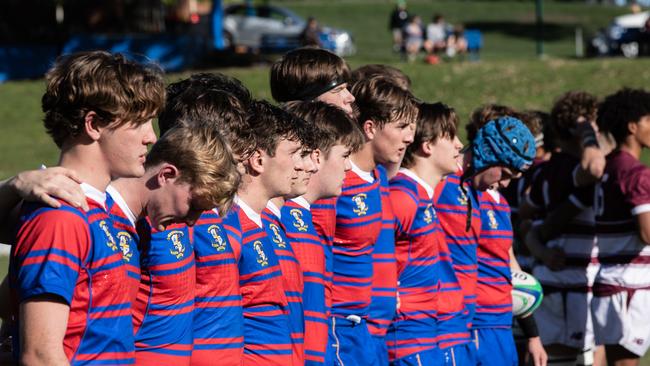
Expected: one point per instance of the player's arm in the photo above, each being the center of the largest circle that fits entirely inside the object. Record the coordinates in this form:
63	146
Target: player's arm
514	264
553	258
592	159
43	321
5	306
537	351
643	220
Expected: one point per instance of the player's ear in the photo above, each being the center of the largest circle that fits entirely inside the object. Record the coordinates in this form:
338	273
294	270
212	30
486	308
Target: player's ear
91	125
317	157
632	127
255	163
427	148
167	173
369	129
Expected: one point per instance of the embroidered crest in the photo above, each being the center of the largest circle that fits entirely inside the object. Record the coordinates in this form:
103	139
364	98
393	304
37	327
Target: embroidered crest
262	259
125	239
217	240
428	216
493	220
178	249
111	241
277	237
298	222
462	197
360	201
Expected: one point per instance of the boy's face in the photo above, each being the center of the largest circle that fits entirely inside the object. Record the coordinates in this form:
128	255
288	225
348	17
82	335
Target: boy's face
281	171
125	148
494	177
174	203
641	131
299	186
390	141
339	96
445	153
332	171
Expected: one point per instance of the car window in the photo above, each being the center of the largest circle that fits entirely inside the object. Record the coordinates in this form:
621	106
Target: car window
272	13
242	11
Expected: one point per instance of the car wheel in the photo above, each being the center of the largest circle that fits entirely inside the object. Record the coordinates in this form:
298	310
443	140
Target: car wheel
630	49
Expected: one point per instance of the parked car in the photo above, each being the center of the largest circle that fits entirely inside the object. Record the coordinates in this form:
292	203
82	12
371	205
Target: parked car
626	35
276	29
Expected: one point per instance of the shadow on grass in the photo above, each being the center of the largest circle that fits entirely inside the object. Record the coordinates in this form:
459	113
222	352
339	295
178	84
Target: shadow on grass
526	30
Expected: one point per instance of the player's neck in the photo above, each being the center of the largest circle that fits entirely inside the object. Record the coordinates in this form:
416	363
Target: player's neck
254	193
632	147
135	193
278	201
364	158
88	163
426	171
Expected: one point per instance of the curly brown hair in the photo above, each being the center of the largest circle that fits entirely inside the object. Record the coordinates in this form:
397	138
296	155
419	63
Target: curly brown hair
118	90
568	108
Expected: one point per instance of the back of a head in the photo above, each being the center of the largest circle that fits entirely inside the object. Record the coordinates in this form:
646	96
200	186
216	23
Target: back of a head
505	141
392	73
434	121
382	101
332	125
203	159
568	109
205	81
115	88
482	115
305	73
271	124
621	108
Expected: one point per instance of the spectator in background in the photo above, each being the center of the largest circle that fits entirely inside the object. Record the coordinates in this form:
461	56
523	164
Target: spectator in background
398	19
436	35
413	36
310	36
457	43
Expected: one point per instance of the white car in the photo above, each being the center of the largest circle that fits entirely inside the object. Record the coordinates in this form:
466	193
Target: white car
276	29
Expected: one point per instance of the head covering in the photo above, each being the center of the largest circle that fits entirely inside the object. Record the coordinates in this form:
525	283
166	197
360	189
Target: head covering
505	141
315	90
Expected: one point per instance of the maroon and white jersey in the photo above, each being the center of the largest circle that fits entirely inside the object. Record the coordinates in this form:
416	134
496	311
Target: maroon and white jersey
623	193
554	185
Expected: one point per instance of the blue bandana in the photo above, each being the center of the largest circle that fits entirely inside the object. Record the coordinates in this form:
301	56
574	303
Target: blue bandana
504	141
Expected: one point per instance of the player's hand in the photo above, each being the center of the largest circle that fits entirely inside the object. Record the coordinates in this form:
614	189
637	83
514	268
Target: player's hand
537	352
593	163
554	259
45	184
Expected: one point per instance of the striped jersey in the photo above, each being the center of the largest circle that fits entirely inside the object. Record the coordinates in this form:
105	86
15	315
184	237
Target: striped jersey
218	318
323	213
310	252
124	223
267	336
494	288
358	224
383	304
292	279
622	194
554	185
75	255
163	311
451	204
418	237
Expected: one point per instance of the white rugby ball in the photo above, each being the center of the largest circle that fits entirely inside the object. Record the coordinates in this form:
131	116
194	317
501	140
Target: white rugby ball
527	294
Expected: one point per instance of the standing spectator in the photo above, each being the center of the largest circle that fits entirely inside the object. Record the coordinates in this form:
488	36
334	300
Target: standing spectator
413	33
398	19
436	35
310	36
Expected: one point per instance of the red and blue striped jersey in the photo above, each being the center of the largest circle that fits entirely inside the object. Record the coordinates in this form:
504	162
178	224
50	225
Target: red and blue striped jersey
218	317
459	252
75	255
163	311
267	336
494	288
127	236
292	279
310	252
383	303
418	237
323	213
358	223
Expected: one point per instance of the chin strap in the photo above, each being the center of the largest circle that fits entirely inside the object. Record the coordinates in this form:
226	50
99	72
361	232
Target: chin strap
468	205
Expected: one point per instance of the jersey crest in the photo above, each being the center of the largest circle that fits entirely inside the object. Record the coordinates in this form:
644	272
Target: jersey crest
277	238
360	201
262	259
125	239
110	240
178	249
493	220
428	216
218	242
462	197
298	222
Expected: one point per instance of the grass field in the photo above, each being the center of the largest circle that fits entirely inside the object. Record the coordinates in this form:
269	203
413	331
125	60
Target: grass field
508	72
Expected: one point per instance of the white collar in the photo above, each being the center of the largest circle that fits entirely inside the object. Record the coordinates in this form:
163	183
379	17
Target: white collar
302	202
94	194
248	211
496	196
367	176
119	200
273	208
411	174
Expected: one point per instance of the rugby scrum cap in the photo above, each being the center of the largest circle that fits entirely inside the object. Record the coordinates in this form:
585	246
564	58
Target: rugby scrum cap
505	141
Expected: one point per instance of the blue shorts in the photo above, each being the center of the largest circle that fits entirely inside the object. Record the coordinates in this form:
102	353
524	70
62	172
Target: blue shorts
495	347
459	355
430	357
382	350
350	343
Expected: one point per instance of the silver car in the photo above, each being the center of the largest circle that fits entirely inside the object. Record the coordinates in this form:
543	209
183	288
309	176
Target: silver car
276	29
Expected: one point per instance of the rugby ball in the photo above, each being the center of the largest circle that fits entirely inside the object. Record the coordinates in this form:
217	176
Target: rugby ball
527	294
